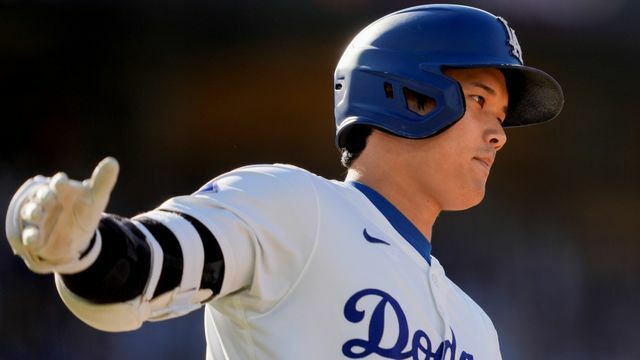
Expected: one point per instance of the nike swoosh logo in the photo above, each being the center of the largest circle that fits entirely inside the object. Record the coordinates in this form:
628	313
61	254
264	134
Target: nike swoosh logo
372	239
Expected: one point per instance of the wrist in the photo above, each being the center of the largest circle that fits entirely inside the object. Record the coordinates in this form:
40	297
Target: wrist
87	257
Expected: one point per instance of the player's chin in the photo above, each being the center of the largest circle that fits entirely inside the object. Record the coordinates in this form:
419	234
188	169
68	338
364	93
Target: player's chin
466	199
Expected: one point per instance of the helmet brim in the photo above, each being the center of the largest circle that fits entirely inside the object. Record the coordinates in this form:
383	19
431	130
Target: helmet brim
534	96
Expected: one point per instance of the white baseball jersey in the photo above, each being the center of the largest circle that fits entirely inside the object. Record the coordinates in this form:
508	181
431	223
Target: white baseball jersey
319	269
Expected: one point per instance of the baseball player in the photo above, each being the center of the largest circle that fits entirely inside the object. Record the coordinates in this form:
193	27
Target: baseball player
290	265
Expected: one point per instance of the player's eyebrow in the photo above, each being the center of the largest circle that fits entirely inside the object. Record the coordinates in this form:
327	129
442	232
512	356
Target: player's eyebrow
484	86
490	90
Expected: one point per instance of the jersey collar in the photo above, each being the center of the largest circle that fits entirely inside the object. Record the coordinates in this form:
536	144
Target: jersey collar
399	222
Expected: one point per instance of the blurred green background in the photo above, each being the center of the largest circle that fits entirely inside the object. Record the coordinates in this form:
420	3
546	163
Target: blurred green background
181	92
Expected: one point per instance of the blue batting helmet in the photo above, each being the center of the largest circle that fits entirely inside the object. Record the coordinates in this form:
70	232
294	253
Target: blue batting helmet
408	49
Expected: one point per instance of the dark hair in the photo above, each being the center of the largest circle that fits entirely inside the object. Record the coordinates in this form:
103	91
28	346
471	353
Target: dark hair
355	142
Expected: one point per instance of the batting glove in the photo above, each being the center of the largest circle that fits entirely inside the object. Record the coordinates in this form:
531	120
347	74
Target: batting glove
51	221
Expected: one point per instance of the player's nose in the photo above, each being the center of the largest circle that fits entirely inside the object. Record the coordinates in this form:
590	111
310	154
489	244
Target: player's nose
496	136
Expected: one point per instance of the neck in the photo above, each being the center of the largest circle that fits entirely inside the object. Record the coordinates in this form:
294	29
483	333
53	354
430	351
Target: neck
414	204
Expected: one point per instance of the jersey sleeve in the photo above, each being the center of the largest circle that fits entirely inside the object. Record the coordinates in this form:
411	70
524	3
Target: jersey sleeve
265	221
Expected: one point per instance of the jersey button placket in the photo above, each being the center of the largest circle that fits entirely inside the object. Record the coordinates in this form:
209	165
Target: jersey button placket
437	284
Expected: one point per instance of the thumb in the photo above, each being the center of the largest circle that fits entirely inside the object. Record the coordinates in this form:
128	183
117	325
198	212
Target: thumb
104	179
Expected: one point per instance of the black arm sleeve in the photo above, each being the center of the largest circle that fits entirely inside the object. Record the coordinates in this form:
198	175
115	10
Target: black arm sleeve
121	271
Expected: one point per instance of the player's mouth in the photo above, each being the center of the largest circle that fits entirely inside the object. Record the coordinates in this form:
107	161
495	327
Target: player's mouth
485	161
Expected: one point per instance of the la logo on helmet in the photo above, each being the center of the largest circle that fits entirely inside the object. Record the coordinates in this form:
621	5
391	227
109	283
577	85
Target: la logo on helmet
513	40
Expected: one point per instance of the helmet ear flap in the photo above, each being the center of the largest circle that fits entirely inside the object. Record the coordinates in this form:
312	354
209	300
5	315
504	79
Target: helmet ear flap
412	105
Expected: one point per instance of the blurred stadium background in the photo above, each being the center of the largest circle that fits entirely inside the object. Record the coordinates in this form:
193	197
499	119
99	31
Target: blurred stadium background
180	92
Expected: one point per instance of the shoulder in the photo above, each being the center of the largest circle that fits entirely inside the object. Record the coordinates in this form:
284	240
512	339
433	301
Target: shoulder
273	169
265	191
260	177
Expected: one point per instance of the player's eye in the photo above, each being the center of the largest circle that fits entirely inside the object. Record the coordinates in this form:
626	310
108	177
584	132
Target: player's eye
479	99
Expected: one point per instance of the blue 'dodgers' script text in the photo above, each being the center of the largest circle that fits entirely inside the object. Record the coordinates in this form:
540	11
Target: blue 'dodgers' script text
420	346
